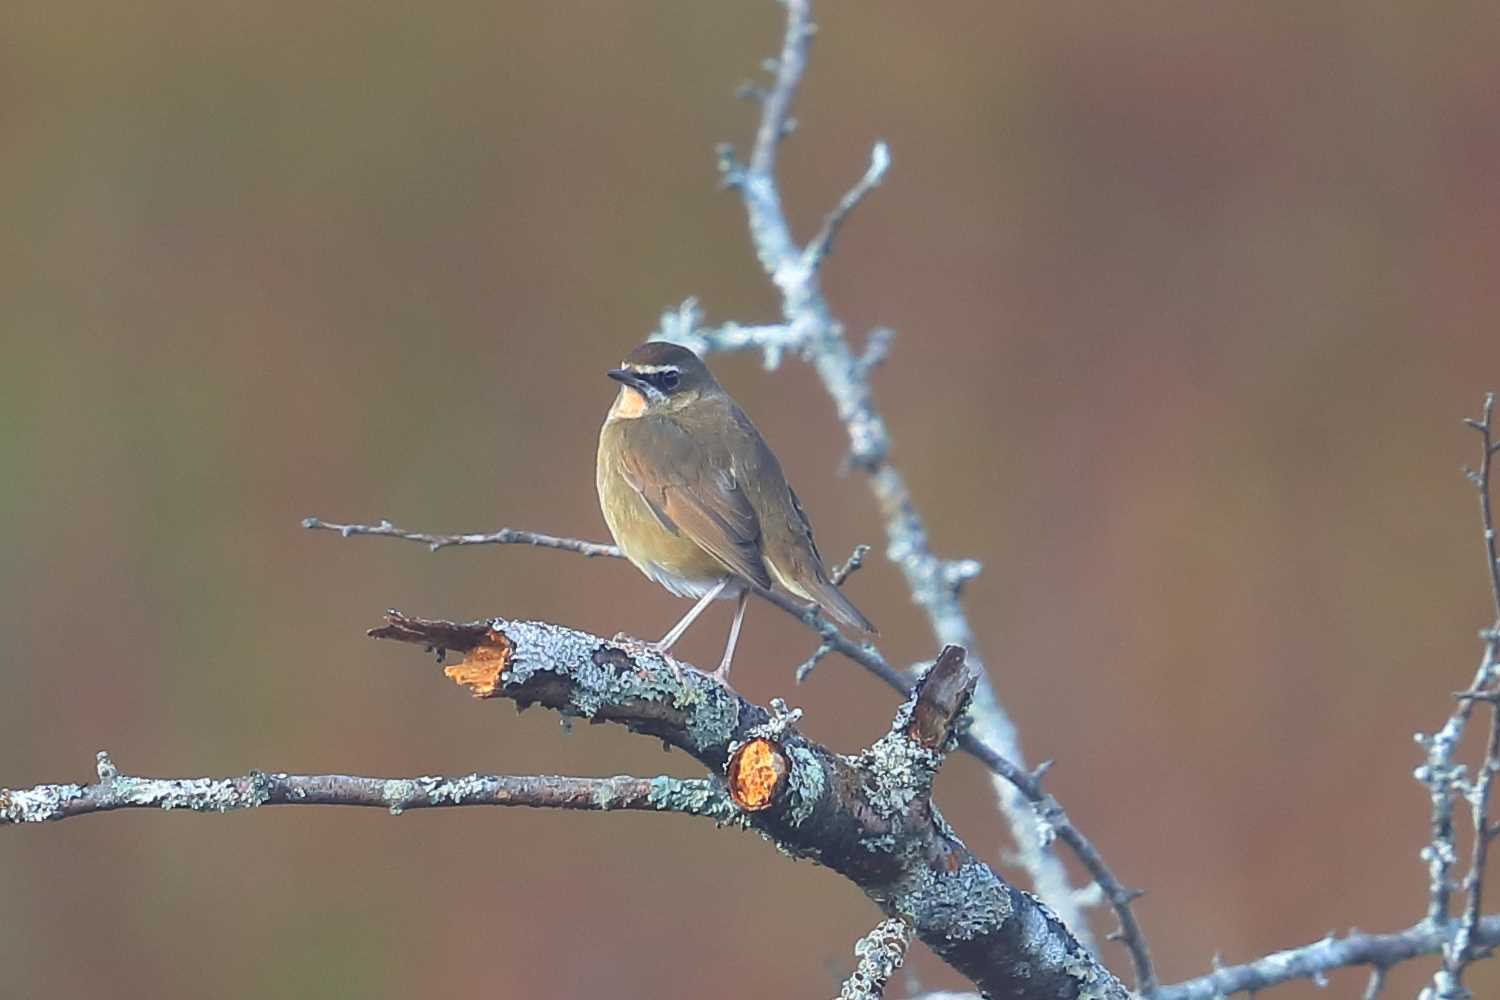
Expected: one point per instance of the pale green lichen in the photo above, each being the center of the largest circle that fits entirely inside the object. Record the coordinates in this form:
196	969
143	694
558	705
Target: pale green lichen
710	711
897	771
963	905
455	790
1094	982
806	784
695	797
37	805
880	954
774	728
397	792
115	790
944	830
196	794
603	797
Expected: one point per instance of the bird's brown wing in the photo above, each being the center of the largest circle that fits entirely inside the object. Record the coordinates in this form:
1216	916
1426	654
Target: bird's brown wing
804	525
794	556
692	490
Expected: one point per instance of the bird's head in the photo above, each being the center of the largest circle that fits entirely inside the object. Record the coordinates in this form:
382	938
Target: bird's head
661	378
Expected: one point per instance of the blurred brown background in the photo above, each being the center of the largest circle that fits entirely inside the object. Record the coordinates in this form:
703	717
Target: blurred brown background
1189	303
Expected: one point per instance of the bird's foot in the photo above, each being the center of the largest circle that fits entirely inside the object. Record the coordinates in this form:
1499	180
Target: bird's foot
626	639
642	645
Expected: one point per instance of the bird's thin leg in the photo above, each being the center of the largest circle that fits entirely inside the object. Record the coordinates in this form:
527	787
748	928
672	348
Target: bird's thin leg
667	640
734	636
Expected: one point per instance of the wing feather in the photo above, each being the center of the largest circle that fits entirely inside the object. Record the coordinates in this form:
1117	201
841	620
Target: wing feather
692	490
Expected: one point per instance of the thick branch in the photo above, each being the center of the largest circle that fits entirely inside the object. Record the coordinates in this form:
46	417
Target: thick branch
1052	820
113	790
868	817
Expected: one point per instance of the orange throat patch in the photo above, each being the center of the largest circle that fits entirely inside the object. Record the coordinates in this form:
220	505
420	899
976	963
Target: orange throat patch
629	404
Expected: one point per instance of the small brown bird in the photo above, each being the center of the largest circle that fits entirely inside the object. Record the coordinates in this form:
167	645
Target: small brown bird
696	500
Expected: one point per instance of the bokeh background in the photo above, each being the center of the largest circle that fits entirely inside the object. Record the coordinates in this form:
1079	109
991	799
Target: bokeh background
1189	302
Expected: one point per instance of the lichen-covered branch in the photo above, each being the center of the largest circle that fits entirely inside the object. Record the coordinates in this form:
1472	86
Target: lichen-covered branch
1052	820
880	953
1314	961
1465	949
868	817
811	331
1448	782
113	790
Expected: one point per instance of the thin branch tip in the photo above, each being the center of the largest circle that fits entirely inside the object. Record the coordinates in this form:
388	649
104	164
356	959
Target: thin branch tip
821	245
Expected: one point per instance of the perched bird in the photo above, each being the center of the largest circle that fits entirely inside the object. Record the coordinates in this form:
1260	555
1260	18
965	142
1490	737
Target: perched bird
696	500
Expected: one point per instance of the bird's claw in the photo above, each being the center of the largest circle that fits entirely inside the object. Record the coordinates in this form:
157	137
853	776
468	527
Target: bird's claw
642	645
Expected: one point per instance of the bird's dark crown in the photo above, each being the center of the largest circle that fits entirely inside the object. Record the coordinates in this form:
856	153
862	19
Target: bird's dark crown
661	370
658	354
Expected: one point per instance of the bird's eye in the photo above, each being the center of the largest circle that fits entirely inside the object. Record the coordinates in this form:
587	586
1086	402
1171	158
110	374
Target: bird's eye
669	380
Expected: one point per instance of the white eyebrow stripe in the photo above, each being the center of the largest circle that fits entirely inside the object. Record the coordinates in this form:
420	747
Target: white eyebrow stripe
655	369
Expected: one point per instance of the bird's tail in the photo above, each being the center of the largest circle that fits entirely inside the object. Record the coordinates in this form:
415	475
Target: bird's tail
840	608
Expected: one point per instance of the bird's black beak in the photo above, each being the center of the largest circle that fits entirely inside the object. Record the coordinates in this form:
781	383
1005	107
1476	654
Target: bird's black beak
625	375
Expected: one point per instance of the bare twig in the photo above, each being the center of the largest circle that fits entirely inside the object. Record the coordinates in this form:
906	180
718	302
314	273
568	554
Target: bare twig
848	568
806	667
683	325
1481	479
505	536
1464	949
863	654
880	952
1446	780
821	245
113	790
838	575
1313	961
